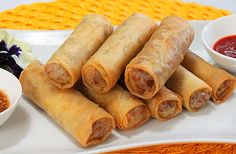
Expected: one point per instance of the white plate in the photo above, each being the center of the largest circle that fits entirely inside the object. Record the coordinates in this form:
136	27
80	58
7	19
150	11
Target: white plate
30	130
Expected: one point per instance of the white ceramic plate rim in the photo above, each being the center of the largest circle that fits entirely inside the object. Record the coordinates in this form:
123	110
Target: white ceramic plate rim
187	138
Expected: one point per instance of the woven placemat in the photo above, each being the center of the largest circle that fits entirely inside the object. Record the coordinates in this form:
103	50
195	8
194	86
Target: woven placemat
212	148
66	14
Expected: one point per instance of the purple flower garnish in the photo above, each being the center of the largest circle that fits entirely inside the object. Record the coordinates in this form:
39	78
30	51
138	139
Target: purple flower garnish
14	50
3	46
4	57
16	70
10	62
7	60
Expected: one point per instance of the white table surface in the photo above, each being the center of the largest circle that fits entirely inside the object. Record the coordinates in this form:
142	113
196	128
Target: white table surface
223	4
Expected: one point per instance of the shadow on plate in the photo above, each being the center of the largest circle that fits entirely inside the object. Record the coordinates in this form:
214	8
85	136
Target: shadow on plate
206	111
154	125
15	128
65	133
107	143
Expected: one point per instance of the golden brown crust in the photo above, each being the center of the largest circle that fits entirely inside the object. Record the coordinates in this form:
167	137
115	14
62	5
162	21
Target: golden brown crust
128	111
99	131
199	98
165	96
167	108
84	41
56	71
4	101
141	82
75	113
213	76
94	78
116	52
161	55
186	84
225	89
135	118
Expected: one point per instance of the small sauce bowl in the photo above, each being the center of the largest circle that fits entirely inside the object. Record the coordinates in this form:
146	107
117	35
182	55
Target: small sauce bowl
214	31
11	86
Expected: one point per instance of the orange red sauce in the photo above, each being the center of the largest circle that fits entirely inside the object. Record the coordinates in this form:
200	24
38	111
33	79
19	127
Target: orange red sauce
226	46
4	101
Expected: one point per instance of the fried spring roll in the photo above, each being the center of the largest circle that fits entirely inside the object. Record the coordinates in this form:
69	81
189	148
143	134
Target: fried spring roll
128	111
103	69
159	58
84	120
194	92
165	104
64	67
221	82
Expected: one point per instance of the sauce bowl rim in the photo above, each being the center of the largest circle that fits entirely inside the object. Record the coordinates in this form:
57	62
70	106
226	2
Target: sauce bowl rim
18	90
205	29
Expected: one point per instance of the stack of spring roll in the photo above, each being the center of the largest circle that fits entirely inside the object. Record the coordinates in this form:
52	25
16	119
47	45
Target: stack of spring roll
78	86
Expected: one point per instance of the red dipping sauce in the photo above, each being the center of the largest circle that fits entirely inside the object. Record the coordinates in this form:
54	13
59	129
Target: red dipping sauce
226	46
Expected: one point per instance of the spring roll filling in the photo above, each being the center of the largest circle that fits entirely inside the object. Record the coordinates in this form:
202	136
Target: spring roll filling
199	99
223	89
100	128
58	73
94	78
136	116
141	81
167	109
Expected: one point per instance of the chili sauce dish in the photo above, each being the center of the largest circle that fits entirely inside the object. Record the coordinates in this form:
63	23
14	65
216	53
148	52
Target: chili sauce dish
219	39
10	94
